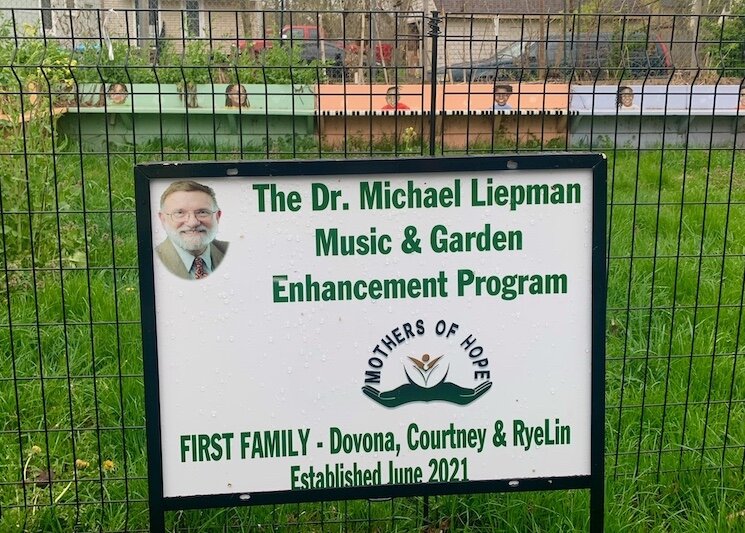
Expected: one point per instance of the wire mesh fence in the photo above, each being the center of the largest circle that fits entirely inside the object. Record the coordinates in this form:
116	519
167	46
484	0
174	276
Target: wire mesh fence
87	93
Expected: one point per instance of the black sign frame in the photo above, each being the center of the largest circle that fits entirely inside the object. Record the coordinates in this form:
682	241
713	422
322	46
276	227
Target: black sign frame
145	173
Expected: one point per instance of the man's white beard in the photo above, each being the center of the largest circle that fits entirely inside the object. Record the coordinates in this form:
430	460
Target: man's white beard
193	242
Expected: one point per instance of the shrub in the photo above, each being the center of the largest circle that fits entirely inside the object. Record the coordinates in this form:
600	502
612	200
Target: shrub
727	37
46	63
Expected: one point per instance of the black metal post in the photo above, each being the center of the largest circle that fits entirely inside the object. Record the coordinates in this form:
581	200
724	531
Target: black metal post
157	519
434	32
425	514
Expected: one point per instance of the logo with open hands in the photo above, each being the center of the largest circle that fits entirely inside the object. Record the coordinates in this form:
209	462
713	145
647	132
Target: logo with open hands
426	375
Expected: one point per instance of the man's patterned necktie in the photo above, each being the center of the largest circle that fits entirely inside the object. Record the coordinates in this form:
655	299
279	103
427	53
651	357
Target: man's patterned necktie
199	268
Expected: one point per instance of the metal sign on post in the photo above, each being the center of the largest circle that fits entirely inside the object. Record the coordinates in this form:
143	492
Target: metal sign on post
369	328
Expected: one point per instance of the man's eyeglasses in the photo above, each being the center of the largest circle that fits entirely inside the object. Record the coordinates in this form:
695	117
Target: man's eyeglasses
200	214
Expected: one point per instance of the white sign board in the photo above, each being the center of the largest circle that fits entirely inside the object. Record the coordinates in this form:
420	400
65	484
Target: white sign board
373	330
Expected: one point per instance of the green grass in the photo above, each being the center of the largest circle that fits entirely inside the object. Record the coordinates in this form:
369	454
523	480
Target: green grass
675	420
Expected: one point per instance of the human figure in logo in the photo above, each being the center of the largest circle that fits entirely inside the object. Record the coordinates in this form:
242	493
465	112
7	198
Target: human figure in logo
418	388
424	367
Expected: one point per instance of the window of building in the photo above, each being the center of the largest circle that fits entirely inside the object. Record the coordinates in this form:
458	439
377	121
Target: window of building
152	16
192	24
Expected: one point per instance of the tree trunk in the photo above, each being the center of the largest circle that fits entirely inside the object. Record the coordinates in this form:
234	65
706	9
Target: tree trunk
695	21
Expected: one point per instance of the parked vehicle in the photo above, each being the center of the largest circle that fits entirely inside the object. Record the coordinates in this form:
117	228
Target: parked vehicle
296	34
383	52
332	55
583	56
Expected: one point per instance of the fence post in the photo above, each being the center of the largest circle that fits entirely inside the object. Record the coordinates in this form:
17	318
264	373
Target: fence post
434	32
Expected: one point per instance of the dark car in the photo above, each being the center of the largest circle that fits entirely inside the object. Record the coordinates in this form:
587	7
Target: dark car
583	56
331	55
327	56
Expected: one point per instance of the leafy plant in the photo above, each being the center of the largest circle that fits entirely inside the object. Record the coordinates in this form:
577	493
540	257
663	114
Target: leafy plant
220	66
46	63
120	65
167	69
275	65
39	68
195	60
285	64
726	51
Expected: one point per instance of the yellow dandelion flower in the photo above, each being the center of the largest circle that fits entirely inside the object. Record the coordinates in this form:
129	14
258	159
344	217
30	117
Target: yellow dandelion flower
108	465
35	449
81	464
